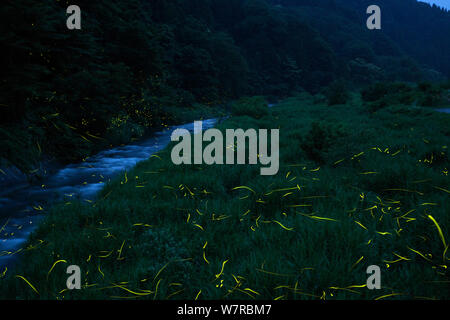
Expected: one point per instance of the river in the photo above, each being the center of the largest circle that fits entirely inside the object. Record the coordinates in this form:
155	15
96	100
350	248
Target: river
445	110
22	207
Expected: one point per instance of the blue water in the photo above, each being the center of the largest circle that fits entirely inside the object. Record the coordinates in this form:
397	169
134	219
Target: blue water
22	207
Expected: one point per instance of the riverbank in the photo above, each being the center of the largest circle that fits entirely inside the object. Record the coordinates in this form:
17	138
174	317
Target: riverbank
24	204
30	154
355	188
29	187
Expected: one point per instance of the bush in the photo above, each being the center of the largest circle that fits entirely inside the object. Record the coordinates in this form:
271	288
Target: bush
319	139
255	107
383	94
429	94
374	92
337	93
395	91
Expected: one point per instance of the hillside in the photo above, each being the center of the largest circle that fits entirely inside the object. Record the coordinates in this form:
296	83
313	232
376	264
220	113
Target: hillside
138	65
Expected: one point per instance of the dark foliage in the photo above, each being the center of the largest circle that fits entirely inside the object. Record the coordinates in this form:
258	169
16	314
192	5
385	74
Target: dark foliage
67	93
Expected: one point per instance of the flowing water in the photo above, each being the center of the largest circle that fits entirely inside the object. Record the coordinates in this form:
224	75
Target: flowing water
445	110
23	206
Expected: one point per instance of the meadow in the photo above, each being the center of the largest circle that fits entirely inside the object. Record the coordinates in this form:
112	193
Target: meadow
357	186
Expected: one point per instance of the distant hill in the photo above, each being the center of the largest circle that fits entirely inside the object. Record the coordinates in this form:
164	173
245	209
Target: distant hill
409	28
135	62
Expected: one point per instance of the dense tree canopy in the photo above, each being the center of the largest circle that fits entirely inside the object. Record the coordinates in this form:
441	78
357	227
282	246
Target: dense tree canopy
134	59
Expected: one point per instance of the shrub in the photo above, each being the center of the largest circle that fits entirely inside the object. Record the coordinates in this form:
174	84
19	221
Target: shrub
374	92
395	91
383	94
429	94
319	139
255	107
337	93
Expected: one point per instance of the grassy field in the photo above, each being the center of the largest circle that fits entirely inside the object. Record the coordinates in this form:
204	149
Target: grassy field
355	188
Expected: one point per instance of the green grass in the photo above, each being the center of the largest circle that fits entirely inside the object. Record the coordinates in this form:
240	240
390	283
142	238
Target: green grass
365	194
28	144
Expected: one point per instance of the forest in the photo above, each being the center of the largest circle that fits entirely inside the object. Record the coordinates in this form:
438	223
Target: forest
140	65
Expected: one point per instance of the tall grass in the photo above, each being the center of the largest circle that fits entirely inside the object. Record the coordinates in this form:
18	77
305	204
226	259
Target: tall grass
375	196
